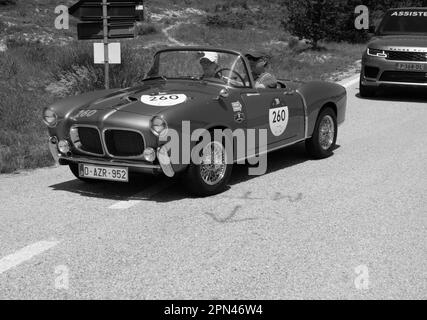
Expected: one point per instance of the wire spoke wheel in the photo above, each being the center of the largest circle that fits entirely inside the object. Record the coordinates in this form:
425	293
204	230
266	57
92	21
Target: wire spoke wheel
214	163
326	132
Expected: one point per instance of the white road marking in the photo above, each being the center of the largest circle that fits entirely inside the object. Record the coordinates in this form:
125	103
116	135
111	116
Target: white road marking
147	193
25	254
350	82
123	205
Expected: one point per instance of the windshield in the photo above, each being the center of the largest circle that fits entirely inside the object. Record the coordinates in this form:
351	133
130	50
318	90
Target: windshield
404	22
212	66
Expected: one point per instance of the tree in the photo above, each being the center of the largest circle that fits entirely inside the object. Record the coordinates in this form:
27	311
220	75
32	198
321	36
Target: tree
310	19
317	20
6	2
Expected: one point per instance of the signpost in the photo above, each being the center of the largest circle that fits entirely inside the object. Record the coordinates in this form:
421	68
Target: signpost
102	19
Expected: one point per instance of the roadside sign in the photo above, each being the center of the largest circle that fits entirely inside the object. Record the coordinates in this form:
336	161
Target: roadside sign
102	19
95	30
92	11
114	53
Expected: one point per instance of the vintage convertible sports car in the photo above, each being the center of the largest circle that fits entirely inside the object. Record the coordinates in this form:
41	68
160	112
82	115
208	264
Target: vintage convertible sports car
111	134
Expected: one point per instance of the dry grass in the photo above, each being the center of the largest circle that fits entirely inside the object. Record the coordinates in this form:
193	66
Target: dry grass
27	69
290	60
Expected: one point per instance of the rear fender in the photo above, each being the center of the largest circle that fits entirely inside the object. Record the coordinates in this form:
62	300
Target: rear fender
318	94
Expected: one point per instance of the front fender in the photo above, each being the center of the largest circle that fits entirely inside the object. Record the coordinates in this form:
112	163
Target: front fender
66	106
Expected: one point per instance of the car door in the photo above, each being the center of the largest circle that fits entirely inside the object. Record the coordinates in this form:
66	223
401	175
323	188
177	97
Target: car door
279	111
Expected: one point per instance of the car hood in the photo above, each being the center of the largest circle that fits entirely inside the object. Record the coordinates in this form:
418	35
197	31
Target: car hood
398	42
139	100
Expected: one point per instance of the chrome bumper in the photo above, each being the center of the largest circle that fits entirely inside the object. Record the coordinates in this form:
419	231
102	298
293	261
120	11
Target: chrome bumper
137	166
384	65
377	83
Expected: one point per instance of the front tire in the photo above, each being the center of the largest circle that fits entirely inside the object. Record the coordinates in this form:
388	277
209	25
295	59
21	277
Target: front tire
322	144
212	175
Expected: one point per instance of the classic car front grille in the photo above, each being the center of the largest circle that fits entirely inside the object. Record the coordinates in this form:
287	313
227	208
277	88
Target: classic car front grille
404	76
124	143
407	56
90	140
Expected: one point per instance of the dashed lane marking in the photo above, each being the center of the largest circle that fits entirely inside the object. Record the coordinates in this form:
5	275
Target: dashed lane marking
25	254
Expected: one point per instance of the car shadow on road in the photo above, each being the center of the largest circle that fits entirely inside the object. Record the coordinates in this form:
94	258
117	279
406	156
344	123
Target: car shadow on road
278	160
109	190
416	95
174	191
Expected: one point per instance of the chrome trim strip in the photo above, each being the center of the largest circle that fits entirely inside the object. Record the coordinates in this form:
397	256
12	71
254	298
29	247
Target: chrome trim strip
140	157
165	163
100	139
53	148
305	114
110	162
270	150
411	84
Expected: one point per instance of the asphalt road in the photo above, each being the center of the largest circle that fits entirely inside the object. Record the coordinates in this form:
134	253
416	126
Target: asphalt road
351	226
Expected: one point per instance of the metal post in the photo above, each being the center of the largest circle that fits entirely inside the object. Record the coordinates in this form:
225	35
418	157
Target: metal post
106	57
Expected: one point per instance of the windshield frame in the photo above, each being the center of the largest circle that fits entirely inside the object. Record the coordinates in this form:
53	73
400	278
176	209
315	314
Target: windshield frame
387	16
208	49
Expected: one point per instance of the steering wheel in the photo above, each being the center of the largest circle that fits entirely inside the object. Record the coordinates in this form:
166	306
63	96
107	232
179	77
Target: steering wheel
219	74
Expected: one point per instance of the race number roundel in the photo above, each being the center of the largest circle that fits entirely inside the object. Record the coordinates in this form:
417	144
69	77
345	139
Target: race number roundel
164	100
278	118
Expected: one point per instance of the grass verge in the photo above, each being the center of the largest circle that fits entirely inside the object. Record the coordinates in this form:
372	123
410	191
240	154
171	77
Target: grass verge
34	75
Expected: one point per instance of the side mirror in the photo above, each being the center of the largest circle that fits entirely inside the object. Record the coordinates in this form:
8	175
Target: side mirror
372	29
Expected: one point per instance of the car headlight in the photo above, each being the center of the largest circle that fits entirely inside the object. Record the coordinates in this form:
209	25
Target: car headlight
159	126
149	154
50	118
64	146
377	53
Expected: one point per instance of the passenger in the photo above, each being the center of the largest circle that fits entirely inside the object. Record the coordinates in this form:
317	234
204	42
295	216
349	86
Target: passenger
258	63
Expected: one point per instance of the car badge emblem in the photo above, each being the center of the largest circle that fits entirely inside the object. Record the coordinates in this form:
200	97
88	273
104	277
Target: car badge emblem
239	117
237	106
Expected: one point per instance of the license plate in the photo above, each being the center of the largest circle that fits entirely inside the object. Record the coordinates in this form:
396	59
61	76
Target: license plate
103	173
410	66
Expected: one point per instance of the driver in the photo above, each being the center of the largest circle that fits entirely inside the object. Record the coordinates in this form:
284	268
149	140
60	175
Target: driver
258	62
209	63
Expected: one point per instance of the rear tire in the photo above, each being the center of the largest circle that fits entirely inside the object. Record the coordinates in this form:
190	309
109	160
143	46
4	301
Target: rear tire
206	179
366	91
322	144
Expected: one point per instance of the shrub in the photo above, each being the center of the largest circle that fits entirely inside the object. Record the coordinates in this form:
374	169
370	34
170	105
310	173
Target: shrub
146	28
312	19
331	20
25	71
238	14
73	68
226	20
7	2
